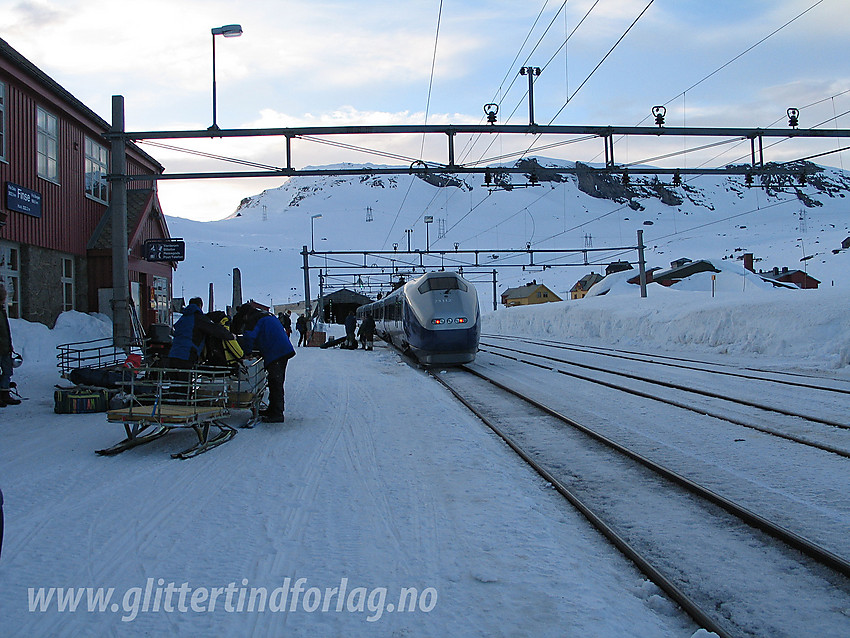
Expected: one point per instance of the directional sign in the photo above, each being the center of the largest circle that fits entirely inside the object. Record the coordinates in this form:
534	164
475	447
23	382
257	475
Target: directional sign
165	250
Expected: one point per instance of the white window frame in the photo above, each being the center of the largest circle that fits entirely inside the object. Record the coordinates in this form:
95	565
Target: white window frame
67	281
10	277
47	145
2	121
97	168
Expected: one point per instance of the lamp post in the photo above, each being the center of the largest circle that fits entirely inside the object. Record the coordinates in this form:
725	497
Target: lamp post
228	31
429	219
313	218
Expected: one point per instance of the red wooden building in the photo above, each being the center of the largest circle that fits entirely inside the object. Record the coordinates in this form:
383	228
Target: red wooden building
55	230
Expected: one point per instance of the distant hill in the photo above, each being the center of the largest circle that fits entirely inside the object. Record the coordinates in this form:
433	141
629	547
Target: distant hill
784	224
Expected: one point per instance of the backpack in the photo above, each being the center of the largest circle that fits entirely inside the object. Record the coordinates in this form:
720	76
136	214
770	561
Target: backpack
221	352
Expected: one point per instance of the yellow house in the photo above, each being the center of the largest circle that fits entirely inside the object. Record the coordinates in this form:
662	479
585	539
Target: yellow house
584	284
531	293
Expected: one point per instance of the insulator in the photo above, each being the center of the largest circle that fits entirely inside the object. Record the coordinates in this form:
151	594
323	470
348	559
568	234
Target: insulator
793	117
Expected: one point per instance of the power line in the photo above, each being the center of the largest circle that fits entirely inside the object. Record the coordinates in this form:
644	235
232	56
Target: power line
605	57
743	53
427	110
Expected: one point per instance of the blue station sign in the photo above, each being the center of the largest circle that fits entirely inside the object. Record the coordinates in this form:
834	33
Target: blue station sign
23	200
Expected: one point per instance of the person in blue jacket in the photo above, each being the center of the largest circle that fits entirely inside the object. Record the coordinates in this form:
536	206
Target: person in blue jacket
263	332
190	333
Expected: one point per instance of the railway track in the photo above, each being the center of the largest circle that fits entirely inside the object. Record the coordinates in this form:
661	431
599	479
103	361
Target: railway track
798	379
803	427
735	572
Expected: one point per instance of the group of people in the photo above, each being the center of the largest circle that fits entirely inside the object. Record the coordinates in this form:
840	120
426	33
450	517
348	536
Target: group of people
300	325
252	328
366	333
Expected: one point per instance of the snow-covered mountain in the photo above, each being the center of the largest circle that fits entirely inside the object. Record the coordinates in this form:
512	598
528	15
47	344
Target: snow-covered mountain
784	224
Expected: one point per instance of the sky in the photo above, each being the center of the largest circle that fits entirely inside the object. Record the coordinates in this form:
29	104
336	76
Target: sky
323	63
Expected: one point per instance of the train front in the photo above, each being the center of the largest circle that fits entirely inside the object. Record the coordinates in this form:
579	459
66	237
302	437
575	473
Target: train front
443	322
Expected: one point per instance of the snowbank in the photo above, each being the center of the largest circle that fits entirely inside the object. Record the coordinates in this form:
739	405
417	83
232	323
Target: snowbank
37	343
811	328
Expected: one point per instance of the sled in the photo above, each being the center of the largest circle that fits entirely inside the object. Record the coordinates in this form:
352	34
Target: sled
163	399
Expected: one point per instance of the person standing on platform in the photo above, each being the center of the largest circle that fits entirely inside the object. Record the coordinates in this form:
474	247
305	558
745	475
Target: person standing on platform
301	327
367	332
264	332
351	331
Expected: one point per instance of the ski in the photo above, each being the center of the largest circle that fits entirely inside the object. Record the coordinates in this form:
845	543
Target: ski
135	441
225	435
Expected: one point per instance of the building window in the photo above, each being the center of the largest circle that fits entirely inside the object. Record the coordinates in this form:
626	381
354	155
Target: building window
160	299
10	277
2	121
67	284
97	166
47	144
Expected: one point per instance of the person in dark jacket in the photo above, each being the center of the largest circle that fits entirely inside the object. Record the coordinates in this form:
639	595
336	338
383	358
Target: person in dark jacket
301	327
286	320
190	332
367	332
6	351
351	331
262	331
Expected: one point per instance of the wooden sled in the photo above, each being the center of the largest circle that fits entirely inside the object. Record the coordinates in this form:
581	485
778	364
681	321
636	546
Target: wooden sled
199	399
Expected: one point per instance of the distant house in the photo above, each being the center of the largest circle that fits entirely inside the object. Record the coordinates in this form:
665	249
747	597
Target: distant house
786	276
650	276
531	293
579	290
682	269
617	266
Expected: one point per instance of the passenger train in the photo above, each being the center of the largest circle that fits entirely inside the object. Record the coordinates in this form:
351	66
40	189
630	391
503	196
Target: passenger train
435	318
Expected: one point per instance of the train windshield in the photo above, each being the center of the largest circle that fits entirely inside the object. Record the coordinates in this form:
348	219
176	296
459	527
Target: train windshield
442	283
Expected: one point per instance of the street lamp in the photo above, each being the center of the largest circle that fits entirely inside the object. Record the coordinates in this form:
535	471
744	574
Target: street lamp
429	219
313	218
228	31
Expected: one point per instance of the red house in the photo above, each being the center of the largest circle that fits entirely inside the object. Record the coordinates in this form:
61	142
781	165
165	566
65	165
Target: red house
54	216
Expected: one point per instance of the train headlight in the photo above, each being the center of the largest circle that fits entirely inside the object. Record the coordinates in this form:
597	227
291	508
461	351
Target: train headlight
441	322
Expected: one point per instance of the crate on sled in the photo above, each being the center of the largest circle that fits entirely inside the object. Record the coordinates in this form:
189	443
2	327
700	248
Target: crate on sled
80	400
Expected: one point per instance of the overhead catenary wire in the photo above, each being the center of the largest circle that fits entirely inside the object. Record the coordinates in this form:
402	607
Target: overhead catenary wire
525	94
511	72
732	60
427	110
605	57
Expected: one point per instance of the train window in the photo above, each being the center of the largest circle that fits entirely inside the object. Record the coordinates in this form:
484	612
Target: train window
442	283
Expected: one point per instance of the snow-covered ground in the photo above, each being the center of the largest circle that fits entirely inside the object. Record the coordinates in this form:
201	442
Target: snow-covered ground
378	485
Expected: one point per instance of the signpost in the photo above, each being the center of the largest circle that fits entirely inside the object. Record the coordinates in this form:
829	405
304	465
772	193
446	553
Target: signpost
165	250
